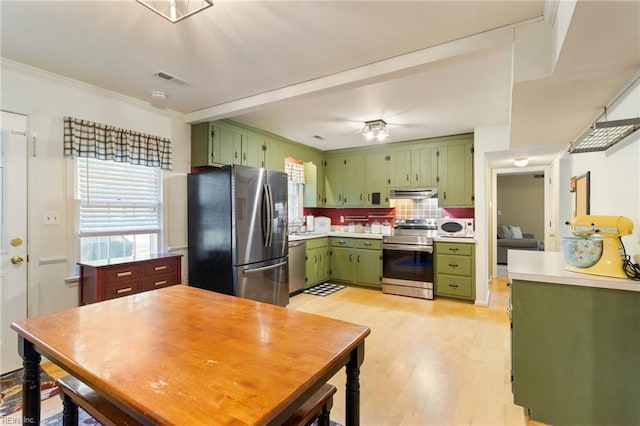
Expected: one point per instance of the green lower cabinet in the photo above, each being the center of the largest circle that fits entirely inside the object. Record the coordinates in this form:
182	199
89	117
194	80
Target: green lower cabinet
317	262
575	353
455	270
357	261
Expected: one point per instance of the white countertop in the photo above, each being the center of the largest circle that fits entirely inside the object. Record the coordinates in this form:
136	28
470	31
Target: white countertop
548	267
310	235
467	240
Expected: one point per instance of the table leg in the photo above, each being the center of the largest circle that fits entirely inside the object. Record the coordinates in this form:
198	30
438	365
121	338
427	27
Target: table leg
353	386
30	382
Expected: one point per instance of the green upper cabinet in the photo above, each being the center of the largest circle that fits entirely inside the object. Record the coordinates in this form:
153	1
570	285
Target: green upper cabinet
376	187
333	177
253	151
344	181
275	152
455	171
353	182
424	167
399	169
212	145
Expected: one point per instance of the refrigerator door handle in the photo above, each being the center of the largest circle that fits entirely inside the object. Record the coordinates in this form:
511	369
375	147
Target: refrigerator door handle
264	268
266	215
269	215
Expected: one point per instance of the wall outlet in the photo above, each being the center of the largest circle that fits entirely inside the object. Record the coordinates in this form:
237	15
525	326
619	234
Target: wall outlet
51	218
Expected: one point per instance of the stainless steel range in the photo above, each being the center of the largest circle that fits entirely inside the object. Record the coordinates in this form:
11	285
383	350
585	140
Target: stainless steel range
407	259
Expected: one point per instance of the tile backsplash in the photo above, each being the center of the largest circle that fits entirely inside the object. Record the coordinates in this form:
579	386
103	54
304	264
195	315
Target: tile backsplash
416	209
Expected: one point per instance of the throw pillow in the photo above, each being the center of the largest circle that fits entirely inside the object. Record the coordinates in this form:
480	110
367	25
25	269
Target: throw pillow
516	232
503	231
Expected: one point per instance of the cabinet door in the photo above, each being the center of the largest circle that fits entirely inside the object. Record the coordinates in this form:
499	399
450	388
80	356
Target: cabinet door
376	179
368	267
424	167
252	152
311	185
342	264
274	155
333	178
201	147
399	169
324	264
310	267
455	170
226	146
353	182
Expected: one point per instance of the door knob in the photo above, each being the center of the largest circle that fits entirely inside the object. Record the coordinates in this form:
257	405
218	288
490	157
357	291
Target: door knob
16	260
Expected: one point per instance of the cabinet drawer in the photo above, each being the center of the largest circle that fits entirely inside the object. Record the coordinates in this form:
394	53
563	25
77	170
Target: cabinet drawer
121	274
462	249
160	266
125	289
317	243
455	265
367	244
454	286
159	281
341	242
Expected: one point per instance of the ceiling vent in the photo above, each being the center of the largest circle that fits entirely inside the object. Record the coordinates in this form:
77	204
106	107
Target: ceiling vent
172	78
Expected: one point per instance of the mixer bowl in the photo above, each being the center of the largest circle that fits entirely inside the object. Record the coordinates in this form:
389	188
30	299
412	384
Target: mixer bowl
581	252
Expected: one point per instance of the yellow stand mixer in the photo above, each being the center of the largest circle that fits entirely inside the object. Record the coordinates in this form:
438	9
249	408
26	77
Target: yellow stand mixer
610	228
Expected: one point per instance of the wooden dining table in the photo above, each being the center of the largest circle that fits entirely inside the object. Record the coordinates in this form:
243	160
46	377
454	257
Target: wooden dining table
186	356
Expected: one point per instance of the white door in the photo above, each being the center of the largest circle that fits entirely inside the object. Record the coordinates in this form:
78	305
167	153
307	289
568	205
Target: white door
13	234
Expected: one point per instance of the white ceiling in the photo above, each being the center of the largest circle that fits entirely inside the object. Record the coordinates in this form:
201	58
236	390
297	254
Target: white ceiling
305	68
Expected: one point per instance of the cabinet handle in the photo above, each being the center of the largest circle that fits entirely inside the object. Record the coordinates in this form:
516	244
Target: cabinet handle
367	244
416	177
213	154
124	274
453	249
315	259
360	197
445	194
339	197
236	154
358	259
124	290
157	283
453	285
342	242
160	268
453	265
407	177
349	258
244	156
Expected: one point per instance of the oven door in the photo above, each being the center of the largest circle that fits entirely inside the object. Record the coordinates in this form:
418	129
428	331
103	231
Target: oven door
407	270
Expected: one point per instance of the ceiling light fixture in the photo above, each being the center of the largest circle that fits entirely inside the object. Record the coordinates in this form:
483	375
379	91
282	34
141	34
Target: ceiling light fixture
176	10
520	161
375	129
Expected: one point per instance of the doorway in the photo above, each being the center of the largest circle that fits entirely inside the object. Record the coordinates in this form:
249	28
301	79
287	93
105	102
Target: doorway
521	198
13	234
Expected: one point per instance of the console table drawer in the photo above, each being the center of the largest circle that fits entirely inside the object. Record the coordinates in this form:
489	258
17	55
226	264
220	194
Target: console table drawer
159	281
118	275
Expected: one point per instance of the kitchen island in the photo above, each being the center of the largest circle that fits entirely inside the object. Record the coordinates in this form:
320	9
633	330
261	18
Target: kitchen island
574	344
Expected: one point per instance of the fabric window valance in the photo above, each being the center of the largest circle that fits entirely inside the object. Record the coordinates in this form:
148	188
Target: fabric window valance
294	171
87	139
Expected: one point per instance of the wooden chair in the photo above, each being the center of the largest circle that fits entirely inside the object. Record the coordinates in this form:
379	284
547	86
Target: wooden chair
76	394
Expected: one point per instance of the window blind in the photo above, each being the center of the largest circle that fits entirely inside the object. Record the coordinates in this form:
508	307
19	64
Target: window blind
117	197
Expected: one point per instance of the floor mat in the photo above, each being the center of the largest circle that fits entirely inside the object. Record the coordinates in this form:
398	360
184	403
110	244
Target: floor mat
324	289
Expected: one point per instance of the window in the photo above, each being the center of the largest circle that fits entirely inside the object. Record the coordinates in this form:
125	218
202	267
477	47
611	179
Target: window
118	209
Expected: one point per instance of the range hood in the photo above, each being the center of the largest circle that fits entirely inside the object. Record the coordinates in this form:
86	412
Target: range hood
413	193
604	134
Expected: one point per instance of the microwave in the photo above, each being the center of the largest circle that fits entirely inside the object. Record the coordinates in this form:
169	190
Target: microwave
455	227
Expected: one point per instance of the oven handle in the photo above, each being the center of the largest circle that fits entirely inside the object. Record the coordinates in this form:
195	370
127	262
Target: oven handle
407	247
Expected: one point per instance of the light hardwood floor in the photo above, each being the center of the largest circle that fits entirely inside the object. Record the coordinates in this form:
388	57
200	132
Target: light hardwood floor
439	362
427	362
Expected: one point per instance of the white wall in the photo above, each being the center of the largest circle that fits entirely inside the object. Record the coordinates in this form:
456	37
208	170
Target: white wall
486	139
46	98
615	173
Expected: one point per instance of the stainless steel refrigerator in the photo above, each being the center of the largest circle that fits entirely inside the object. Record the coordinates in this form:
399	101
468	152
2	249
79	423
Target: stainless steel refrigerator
237	225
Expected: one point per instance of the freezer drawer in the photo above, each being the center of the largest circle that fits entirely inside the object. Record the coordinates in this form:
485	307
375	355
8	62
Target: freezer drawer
266	282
